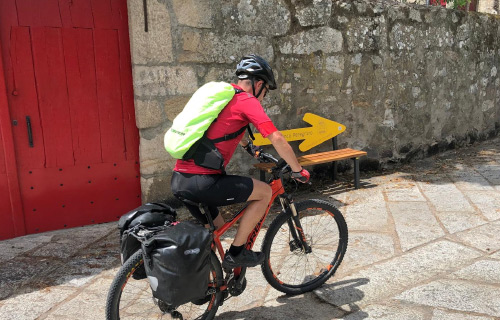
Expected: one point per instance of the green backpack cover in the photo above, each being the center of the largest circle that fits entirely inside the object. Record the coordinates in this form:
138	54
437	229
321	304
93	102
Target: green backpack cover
198	114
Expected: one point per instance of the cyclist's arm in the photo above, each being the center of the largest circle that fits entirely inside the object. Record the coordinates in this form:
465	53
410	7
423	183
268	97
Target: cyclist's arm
244	142
284	150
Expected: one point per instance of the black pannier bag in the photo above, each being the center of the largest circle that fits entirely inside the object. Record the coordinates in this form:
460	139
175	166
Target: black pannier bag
177	261
148	215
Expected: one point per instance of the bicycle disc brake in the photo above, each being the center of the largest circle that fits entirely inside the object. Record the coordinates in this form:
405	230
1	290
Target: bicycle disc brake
295	246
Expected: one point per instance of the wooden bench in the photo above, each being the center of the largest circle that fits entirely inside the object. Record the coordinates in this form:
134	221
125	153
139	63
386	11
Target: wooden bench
323	157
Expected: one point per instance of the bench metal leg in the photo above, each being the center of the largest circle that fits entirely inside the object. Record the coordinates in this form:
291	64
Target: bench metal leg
262	175
356	173
334	173
335	145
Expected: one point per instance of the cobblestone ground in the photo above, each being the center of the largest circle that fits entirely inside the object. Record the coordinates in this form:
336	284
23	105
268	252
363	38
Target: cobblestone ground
424	243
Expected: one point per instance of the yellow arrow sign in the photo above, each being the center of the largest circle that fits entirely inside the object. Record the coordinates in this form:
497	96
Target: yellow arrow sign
322	129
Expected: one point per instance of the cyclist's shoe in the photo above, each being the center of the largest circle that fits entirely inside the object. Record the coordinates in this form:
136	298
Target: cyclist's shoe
246	258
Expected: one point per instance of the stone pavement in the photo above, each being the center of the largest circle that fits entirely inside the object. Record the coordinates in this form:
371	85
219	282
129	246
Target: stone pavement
424	243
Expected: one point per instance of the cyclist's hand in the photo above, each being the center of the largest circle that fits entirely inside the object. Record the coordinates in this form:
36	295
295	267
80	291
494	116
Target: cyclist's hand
301	176
252	149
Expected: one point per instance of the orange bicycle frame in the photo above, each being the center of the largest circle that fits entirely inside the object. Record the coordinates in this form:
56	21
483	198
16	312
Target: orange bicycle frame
277	189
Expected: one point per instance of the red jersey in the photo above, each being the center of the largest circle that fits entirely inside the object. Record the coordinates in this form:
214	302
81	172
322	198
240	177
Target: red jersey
243	109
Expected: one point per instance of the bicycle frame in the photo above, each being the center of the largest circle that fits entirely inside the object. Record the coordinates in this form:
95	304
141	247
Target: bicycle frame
277	189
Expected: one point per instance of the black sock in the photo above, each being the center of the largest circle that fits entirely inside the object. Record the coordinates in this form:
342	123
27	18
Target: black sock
234	251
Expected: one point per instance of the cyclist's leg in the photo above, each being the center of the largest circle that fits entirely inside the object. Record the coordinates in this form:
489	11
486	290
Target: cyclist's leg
218	221
260	197
212	190
222	190
185	186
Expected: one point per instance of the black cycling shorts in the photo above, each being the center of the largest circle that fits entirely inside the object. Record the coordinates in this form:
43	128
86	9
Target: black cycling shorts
213	190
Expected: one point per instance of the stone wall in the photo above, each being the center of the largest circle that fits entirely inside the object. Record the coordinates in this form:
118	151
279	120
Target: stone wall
488	6
407	80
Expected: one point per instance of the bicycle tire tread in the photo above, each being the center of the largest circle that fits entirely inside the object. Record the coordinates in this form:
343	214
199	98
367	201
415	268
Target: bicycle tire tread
276	225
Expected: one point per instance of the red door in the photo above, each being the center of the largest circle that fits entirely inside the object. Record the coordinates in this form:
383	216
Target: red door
7	225
69	89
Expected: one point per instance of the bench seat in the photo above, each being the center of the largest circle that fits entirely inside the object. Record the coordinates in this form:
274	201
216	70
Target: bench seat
323	157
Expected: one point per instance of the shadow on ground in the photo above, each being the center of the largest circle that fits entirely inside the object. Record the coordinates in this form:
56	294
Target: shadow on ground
309	305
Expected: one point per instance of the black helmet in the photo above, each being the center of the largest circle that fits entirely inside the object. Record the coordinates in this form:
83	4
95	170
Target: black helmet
253	66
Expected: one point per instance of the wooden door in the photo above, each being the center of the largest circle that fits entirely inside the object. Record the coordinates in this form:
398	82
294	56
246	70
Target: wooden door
69	88
7	229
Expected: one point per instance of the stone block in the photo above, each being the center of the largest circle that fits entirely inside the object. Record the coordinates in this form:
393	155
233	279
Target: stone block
175	105
406	216
396	12
156	188
459	221
12	248
367	34
148	113
157	166
324	39
194	13
367	248
206	47
335	64
34	304
495	255
488	202
381	281
269	17
486	237
407	38
154	46
389	312
161	81
20	270
415	15
368	215
456	295
222	74
469	180
446	315
484	271
490	172
317	13
89	304
152	149
441	37
445	196
403	192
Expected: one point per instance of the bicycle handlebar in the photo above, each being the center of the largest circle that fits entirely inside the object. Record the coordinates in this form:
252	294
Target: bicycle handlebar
267	157
281	166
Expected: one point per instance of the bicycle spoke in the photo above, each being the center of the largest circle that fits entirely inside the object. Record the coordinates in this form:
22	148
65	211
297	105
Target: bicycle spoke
291	268
133	299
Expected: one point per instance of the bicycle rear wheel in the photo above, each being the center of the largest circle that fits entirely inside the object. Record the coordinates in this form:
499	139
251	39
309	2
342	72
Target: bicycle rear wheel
132	299
288	268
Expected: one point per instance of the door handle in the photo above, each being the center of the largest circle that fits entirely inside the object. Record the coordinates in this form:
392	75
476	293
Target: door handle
30	132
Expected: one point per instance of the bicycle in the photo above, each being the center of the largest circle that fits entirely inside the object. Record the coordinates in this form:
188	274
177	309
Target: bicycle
289	246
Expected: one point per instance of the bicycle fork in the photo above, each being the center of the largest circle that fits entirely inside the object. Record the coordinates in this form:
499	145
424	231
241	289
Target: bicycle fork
299	238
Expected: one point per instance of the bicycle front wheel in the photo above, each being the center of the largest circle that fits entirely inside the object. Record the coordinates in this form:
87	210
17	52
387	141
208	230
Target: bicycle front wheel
133	299
291	269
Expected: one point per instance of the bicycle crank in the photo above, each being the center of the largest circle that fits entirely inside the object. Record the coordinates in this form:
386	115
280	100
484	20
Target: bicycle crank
236	288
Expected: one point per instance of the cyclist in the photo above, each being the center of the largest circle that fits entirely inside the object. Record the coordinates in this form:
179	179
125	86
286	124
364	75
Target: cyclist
215	188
